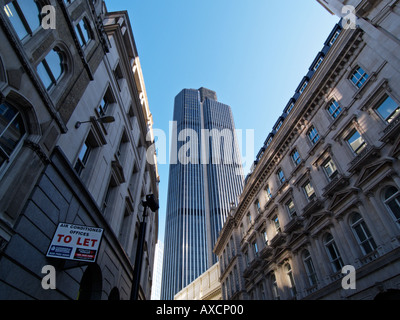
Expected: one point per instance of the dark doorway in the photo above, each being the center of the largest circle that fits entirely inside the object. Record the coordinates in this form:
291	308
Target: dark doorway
114	294
91	284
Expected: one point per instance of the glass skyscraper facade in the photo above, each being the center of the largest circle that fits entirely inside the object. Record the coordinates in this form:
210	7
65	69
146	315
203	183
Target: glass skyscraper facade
205	179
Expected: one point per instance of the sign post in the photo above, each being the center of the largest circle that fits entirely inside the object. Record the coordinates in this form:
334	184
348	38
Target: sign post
74	242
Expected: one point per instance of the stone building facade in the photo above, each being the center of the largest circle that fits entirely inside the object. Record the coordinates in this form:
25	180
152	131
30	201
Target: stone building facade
205	287
62	161
324	192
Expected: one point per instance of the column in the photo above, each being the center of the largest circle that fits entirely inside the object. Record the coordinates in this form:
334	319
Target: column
320	263
341	236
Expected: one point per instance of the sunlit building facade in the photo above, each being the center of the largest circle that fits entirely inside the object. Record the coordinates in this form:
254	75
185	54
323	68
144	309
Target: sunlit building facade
324	192
203	183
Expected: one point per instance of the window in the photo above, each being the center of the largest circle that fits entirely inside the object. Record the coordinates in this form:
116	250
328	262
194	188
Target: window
281	176
108	198
255	248
295	157
50	69
279	125
316	66
12	131
291	209
313	135
275	291
83	32
249	218
290	108
334	109
83	157
246	256
359	77
333	253
303	87
24	16
104	104
308	190
388	109
362	234
356	142
310	269
276	223
269	142
392	202
292	285
268	191
334	37
330	169
265	237
258	206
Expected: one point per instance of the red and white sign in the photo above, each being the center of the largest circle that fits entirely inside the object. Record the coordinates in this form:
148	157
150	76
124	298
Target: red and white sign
74	242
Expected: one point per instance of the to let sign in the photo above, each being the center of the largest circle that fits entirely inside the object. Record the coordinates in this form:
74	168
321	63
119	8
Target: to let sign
74	242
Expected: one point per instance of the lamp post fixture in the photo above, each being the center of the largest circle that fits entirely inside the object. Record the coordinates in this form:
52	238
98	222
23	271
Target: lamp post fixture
107	119
151	203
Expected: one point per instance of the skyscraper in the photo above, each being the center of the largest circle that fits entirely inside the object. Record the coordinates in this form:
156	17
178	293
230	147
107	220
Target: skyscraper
205	178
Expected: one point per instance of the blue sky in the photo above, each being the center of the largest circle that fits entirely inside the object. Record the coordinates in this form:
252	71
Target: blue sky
253	53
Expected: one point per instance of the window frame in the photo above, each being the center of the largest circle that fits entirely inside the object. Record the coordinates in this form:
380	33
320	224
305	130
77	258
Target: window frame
333	260
380	103
369	239
394	197
310	268
18	116
291	281
360	148
55	80
281	176
334	173
313	138
363	77
291	212
335	112
23	19
308	196
83	29
296	160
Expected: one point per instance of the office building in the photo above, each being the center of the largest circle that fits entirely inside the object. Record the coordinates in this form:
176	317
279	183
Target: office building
205	179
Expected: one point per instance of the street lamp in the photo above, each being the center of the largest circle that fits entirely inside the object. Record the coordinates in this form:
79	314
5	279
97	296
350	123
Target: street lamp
107	119
151	203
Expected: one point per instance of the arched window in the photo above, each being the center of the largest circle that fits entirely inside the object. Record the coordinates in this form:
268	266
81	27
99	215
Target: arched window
310	269
292	285
333	253
392	202
12	131
51	68
24	16
275	291
83	31
362	233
